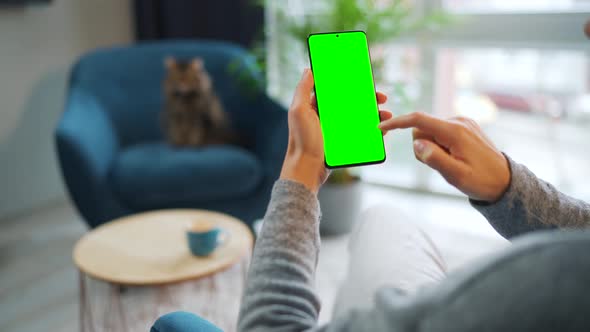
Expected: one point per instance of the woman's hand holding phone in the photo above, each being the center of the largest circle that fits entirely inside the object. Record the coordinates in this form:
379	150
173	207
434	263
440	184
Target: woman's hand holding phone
304	160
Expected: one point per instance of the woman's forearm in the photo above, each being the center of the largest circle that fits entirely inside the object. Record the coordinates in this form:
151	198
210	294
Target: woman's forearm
279	292
532	204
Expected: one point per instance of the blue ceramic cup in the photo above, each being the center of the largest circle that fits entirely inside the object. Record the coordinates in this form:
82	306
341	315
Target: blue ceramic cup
203	243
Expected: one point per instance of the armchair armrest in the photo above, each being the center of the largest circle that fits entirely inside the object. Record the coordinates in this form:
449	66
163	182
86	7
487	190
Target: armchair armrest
181	321
272	134
86	145
270	128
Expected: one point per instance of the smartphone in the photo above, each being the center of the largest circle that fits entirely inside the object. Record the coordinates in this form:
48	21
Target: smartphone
346	98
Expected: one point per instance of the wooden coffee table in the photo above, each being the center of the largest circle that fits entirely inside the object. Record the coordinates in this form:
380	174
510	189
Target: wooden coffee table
137	268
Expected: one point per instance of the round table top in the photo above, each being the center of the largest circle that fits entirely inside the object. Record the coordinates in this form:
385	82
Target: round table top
151	248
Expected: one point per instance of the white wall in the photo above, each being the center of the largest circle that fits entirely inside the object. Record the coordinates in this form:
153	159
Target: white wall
38	44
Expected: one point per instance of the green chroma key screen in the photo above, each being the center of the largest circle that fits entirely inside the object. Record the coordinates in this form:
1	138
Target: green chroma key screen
347	103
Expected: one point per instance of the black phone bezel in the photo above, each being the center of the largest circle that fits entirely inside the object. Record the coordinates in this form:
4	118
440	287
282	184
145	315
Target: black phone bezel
374	88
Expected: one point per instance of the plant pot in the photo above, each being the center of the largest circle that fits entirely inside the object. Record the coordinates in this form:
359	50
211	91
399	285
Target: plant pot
340	204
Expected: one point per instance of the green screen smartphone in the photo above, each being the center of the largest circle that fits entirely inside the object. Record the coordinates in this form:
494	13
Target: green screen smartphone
347	103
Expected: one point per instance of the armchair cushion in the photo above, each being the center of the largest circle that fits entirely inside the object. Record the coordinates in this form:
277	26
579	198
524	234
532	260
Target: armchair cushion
156	175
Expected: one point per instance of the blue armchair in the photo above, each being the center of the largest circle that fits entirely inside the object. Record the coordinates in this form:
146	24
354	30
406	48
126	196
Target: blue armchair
111	148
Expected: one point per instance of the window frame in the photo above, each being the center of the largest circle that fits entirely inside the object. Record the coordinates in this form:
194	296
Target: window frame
538	30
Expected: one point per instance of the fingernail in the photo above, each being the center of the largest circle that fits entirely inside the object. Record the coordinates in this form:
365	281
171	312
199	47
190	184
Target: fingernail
421	149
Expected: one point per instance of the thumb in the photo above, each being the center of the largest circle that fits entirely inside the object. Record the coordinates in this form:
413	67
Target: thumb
438	159
303	90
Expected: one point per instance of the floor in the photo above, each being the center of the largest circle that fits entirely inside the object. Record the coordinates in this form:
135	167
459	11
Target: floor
38	282
39	285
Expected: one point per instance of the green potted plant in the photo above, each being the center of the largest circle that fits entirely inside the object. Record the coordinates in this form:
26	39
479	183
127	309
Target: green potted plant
340	200
383	22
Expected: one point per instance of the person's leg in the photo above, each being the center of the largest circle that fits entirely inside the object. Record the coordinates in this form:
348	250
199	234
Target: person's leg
387	249
539	283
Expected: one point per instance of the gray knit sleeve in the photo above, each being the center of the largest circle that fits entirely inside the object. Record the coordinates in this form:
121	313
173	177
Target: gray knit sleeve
531	204
279	291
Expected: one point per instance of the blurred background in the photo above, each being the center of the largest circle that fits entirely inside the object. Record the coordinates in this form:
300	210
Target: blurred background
40	43
520	68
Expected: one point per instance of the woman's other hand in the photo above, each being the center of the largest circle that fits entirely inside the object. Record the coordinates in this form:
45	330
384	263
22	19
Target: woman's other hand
459	150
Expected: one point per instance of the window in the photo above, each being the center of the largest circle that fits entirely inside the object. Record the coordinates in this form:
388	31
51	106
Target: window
520	68
512	6
534	104
527	84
